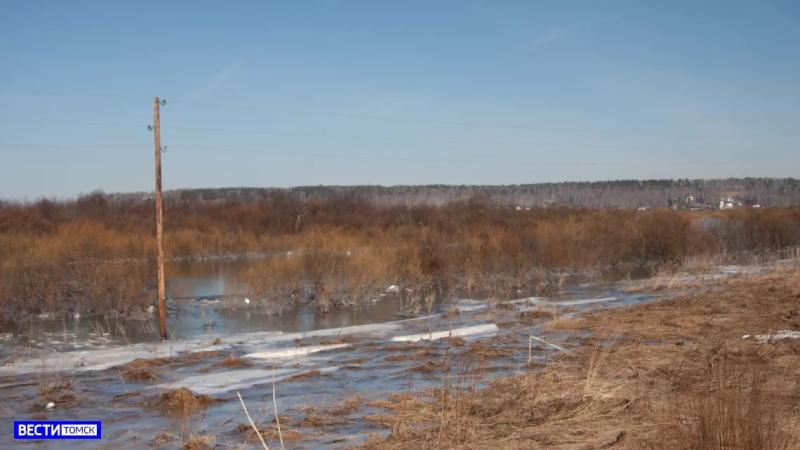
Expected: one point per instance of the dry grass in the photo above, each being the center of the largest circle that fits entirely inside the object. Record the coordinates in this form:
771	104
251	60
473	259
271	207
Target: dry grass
732	411
316	418
201	442
199	356
182	402
539	313
347	406
313	373
270	431
231	362
92	254
334	416
56	390
562	322
142	369
672	374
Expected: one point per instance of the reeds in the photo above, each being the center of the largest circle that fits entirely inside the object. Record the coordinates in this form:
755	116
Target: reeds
732	410
93	253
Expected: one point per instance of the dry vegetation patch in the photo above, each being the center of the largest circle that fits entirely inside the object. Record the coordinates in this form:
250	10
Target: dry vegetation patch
671	374
200	442
94	254
57	390
199	356
182	402
313	373
317	418
141	369
231	362
270	431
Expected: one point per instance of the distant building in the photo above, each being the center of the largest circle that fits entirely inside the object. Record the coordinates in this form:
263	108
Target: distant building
729	203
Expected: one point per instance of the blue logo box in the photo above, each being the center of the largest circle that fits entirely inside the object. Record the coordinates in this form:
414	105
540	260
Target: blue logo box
57	429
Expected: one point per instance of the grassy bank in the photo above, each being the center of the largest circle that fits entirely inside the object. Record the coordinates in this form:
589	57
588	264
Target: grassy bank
672	374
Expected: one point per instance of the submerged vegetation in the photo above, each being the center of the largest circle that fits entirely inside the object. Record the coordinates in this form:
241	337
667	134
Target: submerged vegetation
93	254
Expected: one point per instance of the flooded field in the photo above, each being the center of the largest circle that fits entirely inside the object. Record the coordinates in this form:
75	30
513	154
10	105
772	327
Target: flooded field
329	371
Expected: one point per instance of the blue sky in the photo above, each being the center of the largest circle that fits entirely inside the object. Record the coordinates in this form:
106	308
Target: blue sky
339	92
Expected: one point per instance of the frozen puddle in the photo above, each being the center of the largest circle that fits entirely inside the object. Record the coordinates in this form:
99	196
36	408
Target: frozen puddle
476	330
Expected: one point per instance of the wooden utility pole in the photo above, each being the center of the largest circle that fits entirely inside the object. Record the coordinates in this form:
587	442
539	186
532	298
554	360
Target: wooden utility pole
162	303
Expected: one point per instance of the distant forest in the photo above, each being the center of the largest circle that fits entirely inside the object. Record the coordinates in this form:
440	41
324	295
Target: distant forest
684	193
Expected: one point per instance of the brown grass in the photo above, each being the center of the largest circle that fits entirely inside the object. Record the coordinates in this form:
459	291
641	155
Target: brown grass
199	356
732	411
96	255
182	402
315	418
142	369
313	373
270	431
56	390
347	406
427	366
671	374
200	442
230	362
538	313
564	323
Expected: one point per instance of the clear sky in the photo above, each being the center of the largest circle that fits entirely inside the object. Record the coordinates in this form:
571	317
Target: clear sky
394	92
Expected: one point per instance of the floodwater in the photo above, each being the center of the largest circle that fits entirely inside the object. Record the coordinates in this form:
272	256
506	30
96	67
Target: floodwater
205	298
314	361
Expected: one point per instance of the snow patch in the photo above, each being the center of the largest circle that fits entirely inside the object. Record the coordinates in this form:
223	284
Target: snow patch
779	336
219	382
475	330
293	352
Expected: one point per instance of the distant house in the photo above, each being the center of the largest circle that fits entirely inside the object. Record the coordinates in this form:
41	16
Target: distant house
729	203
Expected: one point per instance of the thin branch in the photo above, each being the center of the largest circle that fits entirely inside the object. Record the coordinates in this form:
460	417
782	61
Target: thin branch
250	419
275	404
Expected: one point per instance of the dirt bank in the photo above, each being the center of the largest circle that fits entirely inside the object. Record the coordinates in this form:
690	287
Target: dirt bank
671	374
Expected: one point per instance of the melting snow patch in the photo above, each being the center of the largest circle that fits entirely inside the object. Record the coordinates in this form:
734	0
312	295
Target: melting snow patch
295	351
215	383
488	328
779	336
